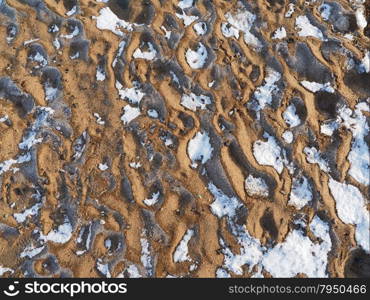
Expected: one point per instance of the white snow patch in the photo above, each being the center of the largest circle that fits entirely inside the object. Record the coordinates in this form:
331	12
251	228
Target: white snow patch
32	211
360	17
196	59
279	33
133	95
263	93
359	155
193	101
129	113
223	205
307	29
288	136
107	20
103	268
30	251
147	55
299	254
243	21
314	156
200	28
269	153
103	167
62	234
256	186
153	200
181	252
290	116
199	148
351	209
301	192
315	86
186	19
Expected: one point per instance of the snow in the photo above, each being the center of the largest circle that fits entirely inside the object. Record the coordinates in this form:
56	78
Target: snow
187	19
107	20
72	11
290	11
146	258
30	251
133	95
298	254
193	101
263	93
4	118
200	28
132	272
229	31
359	155
99	120
167	33
181	252
268	153
185	4
325	11
290	117
256	186
360	17
153	200
279	33
301	192
307	29
6	165
314	156
129	113
25	43
100	74
223	205
199	148
103	268
288	136
243	21
365	62
32	211
152	113
147	55
103	167
3	270
315	86
135	165
74	33
222	273
351	209
62	234
328	127
196	59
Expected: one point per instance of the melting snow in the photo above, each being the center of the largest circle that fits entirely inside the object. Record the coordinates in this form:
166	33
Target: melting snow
268	153
129	113
301	192
181	252
153	200
279	33
307	29
351	209
256	186
133	95
147	55
199	148
193	101
288	136
290	117
196	59
200	28
315	86
107	20
315	157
